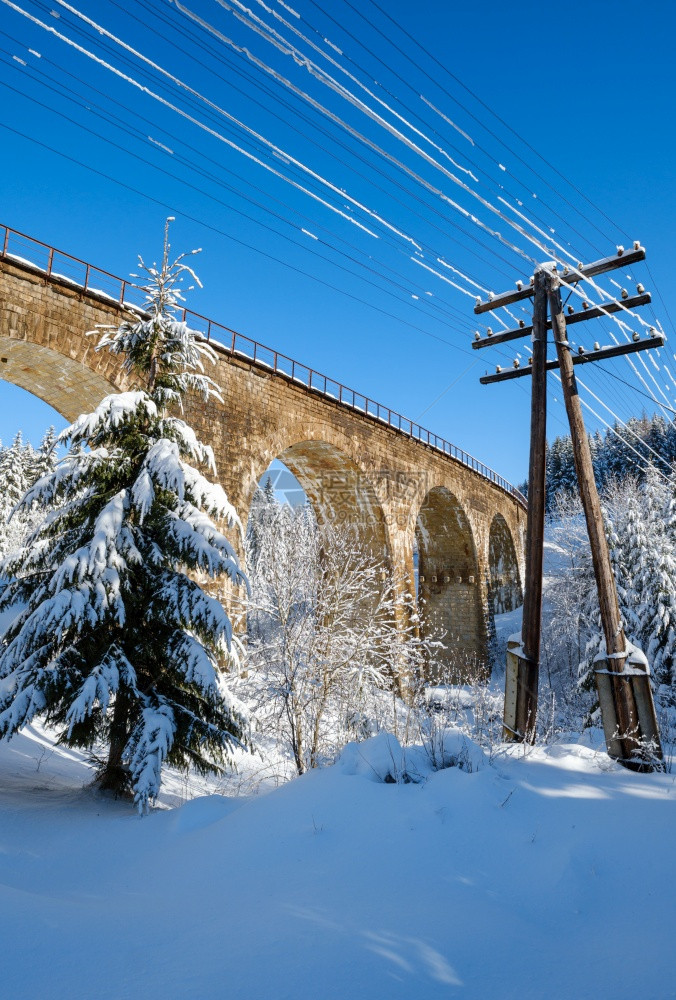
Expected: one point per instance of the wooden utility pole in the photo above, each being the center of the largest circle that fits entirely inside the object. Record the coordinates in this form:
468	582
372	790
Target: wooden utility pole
523	693
622	678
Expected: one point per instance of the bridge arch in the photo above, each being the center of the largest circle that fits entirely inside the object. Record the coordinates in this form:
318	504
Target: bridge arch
67	385
505	591
44	347
339	489
449	591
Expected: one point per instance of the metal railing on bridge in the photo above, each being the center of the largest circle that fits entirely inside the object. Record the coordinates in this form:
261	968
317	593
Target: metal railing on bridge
63	268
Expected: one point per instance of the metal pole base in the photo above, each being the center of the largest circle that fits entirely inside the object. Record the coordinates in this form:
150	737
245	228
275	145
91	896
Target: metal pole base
521	676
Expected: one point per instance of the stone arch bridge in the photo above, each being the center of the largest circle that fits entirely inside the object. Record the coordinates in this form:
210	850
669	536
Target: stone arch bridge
410	490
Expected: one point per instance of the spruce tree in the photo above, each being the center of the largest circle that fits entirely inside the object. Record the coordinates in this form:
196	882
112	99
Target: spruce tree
117	645
44	459
15	471
269	491
15	477
655	581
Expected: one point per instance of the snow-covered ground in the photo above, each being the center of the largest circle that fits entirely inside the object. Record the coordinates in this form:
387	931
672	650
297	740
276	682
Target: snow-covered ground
544	876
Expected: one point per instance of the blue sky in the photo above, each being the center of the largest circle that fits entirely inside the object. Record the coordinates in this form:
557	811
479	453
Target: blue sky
589	88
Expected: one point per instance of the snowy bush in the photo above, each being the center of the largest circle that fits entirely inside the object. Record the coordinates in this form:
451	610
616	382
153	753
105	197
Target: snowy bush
448	715
331	639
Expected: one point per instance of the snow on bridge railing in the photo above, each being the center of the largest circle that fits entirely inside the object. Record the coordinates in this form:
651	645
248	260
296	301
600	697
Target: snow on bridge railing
61	267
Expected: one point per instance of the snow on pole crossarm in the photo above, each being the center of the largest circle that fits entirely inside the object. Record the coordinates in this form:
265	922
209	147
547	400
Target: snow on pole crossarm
600	354
568	276
594	312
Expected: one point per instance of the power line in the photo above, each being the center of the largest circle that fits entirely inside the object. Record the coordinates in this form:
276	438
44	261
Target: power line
388	66
218	200
135	134
273	148
195	121
300	35
146	161
633	387
352	152
449	386
497	117
229	236
396	98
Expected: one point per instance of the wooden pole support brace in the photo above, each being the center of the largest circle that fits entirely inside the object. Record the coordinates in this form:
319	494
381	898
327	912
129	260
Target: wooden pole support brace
631	683
629	732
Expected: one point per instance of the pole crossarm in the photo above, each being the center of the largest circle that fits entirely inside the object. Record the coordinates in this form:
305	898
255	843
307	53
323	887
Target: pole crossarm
592	312
615	351
569	276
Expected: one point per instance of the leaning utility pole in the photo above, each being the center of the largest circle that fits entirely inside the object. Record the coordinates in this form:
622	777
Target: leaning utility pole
622	676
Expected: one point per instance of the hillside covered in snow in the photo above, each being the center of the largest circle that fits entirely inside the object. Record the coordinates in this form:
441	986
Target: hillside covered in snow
547	874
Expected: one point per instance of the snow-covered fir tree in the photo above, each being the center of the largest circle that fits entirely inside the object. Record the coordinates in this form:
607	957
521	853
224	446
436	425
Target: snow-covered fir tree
17	473
653	581
640	524
115	644
44	459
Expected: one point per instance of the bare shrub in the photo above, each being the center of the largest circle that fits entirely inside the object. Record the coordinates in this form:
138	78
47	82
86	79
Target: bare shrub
332	638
